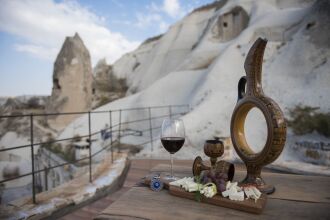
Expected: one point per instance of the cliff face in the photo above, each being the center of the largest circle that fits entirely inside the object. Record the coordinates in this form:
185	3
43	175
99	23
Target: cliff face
72	82
192	36
209	47
200	59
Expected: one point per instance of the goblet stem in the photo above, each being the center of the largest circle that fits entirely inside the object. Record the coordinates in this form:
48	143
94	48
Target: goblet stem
172	166
213	162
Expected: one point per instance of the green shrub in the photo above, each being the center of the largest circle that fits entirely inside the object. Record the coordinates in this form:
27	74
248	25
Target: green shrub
76	138
152	39
69	153
33	103
103	100
306	119
122	85
322	124
48	145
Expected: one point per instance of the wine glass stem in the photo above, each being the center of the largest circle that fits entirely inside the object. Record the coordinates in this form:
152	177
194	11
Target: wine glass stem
172	165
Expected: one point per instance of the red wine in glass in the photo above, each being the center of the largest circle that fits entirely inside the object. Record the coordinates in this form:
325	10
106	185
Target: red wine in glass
172	144
172	138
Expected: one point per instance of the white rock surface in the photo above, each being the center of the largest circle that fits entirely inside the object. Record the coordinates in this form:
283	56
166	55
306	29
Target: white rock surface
188	64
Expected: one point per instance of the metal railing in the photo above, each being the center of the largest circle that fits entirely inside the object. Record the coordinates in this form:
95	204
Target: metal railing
172	111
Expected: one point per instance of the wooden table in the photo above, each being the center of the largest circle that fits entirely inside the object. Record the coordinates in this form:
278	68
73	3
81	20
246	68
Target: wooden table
296	197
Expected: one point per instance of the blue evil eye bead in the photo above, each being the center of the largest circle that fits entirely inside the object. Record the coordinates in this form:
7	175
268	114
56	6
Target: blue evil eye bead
156	185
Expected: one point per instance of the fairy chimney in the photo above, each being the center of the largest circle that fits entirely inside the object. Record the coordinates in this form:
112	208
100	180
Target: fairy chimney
72	82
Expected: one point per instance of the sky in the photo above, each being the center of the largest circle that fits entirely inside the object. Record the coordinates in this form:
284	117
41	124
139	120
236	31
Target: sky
33	31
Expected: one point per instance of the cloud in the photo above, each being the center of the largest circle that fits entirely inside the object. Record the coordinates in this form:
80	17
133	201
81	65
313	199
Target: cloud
172	8
38	51
159	14
145	20
153	19
42	26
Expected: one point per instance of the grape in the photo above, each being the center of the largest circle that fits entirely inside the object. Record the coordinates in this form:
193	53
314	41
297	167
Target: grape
222	181
221	188
217	181
203	178
206	178
218	186
219	175
218	178
209	180
212	176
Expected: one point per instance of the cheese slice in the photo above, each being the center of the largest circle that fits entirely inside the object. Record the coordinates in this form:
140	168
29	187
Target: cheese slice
252	193
239	196
229	192
256	192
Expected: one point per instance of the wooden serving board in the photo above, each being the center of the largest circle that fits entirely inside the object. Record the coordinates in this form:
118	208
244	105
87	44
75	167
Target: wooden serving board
247	205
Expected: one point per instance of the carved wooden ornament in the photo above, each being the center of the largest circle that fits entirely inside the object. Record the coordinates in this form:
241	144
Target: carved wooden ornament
213	149
250	94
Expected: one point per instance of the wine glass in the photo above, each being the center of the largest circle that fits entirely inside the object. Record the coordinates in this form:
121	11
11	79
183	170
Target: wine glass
172	138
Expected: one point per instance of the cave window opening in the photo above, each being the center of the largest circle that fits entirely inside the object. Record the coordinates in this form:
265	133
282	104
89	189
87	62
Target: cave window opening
225	24
56	84
309	25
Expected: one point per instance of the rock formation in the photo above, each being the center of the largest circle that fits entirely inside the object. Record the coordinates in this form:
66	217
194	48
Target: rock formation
194	63
158	56
231	24
106	86
11	105
72	82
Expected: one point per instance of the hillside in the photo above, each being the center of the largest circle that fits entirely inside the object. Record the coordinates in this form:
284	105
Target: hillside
199	61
